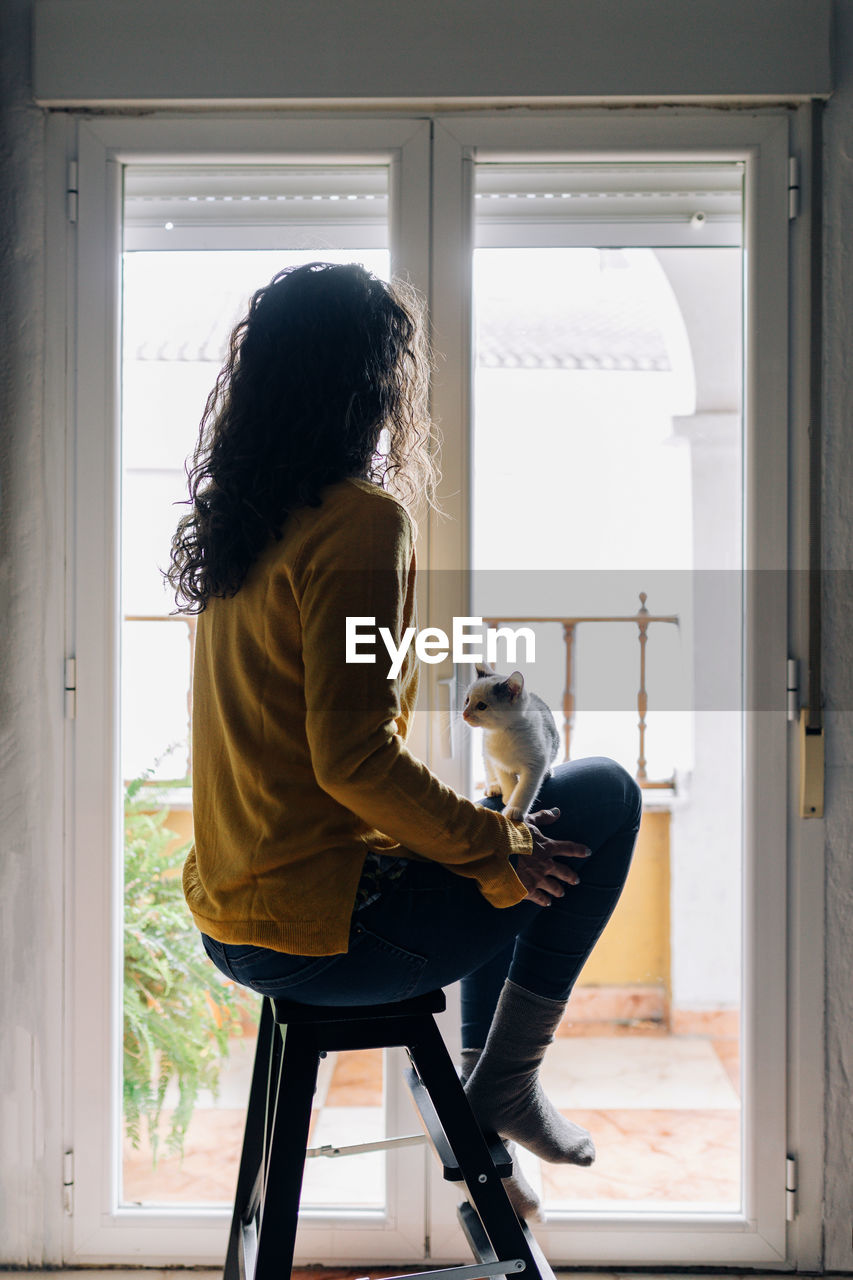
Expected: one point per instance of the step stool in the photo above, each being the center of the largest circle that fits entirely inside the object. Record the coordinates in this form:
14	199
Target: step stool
291	1040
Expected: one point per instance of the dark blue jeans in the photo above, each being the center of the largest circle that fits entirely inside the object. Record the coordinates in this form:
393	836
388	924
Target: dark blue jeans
429	927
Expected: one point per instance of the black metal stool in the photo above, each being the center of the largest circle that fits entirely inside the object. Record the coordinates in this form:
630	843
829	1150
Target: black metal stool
291	1040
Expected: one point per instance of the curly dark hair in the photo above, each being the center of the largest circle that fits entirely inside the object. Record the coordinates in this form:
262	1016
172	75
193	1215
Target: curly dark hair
326	379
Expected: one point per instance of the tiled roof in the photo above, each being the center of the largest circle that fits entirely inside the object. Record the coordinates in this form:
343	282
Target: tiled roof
607	319
575	336
582	335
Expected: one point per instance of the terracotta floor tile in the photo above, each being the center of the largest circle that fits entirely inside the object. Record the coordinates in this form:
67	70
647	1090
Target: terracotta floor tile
728	1051
684	1157
645	1152
207	1173
615	1004
357	1079
718	1022
569	1030
679	1073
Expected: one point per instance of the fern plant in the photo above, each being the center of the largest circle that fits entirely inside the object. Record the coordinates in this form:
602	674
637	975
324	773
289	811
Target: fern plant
179	1014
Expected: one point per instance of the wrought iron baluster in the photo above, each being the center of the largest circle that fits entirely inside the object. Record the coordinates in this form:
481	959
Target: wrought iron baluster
642	695
569	690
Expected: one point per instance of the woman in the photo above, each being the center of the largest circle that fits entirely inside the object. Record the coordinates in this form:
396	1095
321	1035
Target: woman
329	864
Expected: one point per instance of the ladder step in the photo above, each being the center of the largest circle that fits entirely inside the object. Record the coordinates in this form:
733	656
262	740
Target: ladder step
483	1251
475	1234
452	1173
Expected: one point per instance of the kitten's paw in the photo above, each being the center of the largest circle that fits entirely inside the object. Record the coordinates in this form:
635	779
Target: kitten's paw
513	813
494	789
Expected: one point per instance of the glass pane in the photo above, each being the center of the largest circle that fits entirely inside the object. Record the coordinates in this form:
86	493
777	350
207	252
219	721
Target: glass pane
348	1111
188	1035
607	498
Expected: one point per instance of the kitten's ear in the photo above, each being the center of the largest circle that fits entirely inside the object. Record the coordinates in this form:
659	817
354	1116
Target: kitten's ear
515	684
483	670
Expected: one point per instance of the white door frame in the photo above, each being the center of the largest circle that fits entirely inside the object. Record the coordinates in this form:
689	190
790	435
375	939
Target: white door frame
758	1236
100	1231
97	1233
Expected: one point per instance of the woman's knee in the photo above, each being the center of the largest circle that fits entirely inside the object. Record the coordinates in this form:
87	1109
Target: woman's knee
620	785
605	781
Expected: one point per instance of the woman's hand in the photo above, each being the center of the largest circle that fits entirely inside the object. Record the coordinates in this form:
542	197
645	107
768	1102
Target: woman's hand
543	877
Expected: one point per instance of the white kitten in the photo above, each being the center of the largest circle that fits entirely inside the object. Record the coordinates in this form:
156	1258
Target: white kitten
520	739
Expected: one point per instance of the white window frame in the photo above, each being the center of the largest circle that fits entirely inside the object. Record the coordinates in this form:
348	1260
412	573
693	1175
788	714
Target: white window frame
758	1237
100	1231
97	1233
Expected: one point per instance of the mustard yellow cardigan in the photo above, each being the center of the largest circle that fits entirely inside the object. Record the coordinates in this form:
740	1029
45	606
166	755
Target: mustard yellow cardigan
299	758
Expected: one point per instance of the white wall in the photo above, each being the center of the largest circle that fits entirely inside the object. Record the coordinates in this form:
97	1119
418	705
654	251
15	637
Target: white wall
706	840
427	49
31	586
31	539
838	645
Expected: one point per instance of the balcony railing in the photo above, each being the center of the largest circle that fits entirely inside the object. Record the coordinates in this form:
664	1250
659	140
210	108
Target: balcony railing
642	620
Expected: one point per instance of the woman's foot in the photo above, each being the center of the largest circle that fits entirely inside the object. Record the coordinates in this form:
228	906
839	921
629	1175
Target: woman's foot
521	1194
504	1089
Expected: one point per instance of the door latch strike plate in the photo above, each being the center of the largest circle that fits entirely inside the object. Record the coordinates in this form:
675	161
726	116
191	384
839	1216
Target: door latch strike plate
811	768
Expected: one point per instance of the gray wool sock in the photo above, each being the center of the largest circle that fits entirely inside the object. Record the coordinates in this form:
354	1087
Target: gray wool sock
467	1062
521	1195
504	1089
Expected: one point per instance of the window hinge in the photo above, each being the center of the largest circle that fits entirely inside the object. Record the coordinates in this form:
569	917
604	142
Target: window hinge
793	690
71	192
790	1188
68	1182
793	186
70	689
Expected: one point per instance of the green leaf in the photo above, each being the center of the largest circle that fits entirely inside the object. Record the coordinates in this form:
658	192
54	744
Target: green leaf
179	1013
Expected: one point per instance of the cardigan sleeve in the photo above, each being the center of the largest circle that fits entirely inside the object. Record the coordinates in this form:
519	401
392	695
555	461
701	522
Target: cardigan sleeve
353	708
